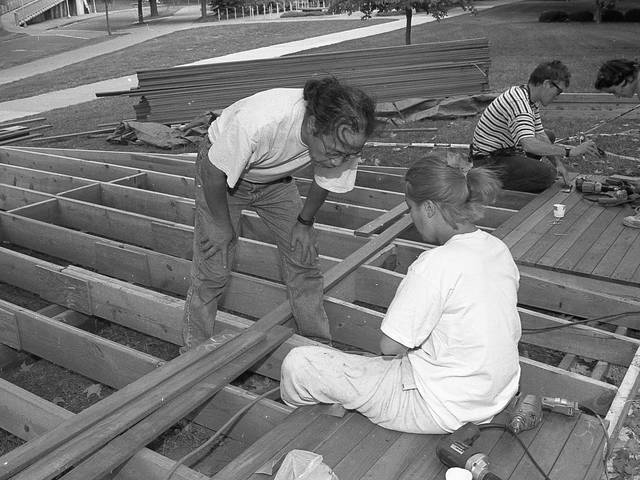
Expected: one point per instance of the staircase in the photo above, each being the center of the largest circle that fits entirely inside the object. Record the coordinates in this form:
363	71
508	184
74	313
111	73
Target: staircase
32	9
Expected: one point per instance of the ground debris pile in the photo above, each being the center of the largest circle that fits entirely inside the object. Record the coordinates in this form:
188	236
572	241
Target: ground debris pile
150	133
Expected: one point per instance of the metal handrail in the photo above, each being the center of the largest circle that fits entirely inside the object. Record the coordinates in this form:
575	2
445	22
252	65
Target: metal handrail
33	9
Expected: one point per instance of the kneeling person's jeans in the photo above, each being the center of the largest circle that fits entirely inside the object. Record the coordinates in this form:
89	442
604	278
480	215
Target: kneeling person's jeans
517	171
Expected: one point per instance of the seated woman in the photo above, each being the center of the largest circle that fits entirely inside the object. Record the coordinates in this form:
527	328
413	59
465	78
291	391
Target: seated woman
450	336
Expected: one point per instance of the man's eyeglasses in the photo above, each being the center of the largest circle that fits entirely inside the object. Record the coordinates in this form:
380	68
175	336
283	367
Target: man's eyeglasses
334	153
557	87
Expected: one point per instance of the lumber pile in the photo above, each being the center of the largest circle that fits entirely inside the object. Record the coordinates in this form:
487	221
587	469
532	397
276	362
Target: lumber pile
12	132
104	436
430	70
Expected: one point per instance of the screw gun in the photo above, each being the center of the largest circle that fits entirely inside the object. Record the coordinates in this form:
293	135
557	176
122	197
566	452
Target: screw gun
456	450
527	413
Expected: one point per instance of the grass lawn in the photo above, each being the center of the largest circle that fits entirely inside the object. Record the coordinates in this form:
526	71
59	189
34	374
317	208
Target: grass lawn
212	40
511	64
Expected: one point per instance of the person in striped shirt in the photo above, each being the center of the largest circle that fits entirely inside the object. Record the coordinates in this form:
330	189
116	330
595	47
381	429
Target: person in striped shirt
510	138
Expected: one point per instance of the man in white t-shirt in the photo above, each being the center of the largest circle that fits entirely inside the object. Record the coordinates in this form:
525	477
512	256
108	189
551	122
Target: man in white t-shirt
246	162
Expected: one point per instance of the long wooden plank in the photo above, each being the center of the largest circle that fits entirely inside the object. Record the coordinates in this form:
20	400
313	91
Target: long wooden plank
22	457
616	252
31	415
570	238
626	393
400	454
580	340
265	448
172	164
518	225
629	263
577	295
575	459
54	452
309	439
64	165
45	182
365	454
15	197
118	365
551	381
121	448
541	231
559	231
115	366
368	197
595	229
601	245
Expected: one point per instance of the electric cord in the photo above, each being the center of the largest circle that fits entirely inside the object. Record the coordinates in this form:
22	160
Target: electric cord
602	318
486	426
607	447
231	421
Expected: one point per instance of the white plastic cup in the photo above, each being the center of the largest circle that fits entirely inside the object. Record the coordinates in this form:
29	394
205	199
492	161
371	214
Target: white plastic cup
558	210
456	473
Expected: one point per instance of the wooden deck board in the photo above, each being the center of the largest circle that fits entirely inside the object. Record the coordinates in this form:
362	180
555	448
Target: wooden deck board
565	447
590	240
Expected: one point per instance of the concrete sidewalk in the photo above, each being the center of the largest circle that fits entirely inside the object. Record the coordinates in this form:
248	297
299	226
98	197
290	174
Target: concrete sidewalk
42	103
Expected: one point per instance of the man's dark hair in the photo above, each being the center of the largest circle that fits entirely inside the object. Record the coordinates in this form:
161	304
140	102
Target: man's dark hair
614	72
555	71
334	103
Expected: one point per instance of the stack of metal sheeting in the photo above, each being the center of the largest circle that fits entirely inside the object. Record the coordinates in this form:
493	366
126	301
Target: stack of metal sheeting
430	70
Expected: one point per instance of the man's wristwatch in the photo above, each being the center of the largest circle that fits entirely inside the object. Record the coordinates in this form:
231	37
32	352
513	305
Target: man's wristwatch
567	152
307	223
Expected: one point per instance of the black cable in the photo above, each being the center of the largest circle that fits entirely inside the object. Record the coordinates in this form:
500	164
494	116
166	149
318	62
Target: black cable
486	426
602	318
220	431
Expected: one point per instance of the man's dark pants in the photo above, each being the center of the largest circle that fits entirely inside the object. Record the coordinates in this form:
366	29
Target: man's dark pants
519	172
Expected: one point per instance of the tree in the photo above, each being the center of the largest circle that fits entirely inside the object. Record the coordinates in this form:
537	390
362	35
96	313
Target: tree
603	5
437	8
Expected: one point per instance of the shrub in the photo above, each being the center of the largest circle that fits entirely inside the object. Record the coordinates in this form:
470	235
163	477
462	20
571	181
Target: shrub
297	13
581	16
553	16
612	16
632	15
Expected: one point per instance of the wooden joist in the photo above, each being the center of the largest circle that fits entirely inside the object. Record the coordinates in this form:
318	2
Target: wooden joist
78	217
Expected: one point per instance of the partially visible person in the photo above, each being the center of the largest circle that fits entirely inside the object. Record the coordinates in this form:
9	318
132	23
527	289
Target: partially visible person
510	138
620	77
246	162
450	335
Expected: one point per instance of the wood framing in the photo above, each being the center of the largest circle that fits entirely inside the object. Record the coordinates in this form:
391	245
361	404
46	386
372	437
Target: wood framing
108	235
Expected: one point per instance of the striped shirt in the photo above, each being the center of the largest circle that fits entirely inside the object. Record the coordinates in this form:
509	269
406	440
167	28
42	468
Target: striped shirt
506	121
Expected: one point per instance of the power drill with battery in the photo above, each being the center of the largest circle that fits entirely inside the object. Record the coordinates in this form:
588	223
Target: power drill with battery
527	412
611	191
456	450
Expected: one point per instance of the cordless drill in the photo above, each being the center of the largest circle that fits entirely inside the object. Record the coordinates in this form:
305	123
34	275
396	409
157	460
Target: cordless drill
456	450
527	413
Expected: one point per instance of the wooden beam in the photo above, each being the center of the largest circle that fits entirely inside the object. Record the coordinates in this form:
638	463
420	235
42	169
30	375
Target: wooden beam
550	381
26	415
50	454
122	447
45	182
172	164
15	197
63	165
118	365
627	392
